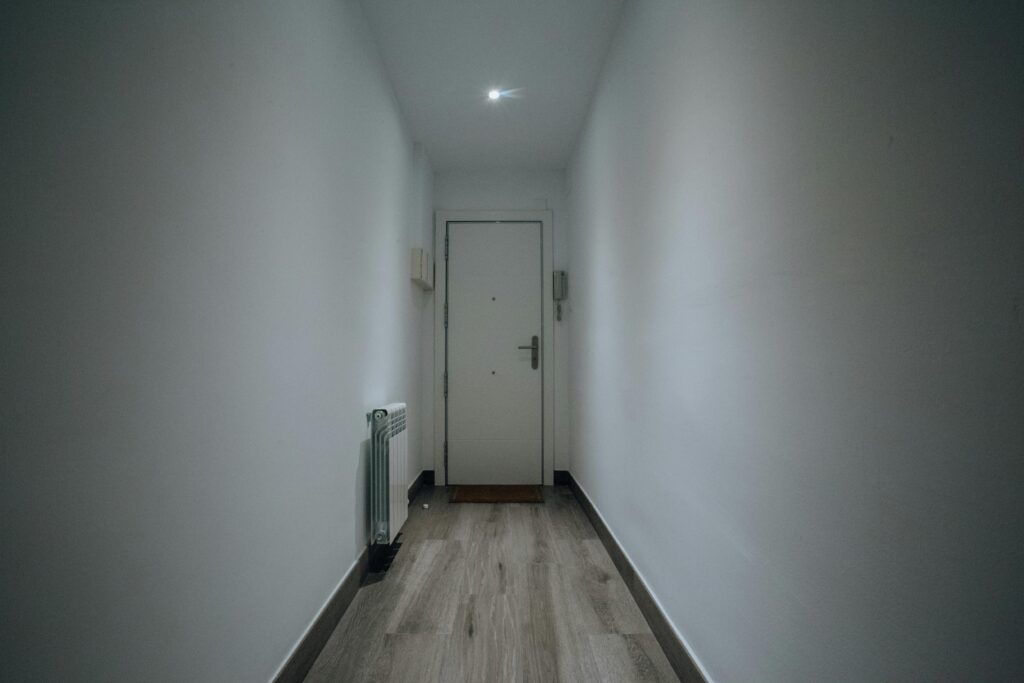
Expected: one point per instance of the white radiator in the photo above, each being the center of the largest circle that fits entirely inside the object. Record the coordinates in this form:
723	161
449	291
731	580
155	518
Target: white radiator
389	473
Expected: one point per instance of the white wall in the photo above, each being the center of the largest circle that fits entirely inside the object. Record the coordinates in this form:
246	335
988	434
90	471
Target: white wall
424	401
206	215
798	331
497	190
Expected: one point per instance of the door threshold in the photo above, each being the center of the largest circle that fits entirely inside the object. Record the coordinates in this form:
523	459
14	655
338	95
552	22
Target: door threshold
496	493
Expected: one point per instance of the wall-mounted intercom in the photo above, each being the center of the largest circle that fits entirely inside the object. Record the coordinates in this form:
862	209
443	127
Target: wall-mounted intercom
560	286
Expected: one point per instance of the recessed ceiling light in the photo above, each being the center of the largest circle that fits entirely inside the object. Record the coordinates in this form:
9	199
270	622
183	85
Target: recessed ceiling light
494	95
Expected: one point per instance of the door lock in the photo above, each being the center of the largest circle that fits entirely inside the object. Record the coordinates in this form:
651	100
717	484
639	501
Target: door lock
535	351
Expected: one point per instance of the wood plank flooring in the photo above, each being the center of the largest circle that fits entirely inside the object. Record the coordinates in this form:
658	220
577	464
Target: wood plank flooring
495	592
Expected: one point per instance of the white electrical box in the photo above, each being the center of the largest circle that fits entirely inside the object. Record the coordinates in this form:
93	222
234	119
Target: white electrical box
422	271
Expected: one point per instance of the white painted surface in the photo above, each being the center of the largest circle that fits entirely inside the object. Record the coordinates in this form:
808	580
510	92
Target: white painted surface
421	268
524	190
207	210
417	312
444	56
398	470
441	221
422	212
798	336
495	395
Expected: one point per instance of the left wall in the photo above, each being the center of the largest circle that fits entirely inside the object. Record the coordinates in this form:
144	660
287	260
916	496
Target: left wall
205	216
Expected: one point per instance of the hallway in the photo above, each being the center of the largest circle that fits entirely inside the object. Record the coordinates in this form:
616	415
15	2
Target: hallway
506	592
747	275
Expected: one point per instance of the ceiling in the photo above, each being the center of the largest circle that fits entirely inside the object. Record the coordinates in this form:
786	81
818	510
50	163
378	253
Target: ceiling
444	55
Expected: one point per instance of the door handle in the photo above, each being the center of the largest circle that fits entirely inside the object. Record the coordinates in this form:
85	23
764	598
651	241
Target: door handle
535	351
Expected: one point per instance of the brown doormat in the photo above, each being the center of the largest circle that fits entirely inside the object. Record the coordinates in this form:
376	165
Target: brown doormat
497	494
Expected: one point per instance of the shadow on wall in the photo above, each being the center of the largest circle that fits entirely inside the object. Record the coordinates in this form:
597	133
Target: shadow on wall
361	484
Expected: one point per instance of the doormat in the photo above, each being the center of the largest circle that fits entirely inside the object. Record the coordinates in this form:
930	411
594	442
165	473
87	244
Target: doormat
497	494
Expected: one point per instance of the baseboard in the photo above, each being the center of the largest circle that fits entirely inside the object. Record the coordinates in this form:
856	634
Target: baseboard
562	478
678	653
425	478
316	636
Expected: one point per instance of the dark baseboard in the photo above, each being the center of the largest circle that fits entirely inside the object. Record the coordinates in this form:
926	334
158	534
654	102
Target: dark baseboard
562	478
678	655
299	664
425	478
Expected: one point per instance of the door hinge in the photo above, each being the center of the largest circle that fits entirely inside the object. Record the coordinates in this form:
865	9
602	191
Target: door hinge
446	315
446	456
446	247
446	384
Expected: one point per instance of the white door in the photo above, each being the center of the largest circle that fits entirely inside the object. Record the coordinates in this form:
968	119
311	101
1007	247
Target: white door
495	387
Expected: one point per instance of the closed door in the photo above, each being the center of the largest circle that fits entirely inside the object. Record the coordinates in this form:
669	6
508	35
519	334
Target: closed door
495	381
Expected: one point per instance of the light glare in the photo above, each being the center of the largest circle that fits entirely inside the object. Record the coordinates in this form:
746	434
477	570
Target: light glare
494	94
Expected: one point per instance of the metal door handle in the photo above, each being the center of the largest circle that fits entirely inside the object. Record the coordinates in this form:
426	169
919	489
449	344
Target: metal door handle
535	348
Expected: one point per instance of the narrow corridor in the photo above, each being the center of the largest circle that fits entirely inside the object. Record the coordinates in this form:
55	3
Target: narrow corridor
506	592
747	276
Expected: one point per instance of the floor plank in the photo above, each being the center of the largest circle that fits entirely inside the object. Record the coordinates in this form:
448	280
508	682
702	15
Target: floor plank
630	658
495	592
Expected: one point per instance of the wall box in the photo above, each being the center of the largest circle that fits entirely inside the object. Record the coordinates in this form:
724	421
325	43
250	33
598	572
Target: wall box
422	272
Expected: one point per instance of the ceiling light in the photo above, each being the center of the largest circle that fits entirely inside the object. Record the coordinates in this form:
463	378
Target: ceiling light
494	95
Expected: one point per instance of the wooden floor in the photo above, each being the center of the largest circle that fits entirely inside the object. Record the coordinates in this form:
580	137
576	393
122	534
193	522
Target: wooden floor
495	592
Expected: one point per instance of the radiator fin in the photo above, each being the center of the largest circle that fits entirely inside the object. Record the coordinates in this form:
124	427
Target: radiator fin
389	473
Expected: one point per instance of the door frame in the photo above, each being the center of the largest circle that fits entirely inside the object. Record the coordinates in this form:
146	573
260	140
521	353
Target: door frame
547	345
